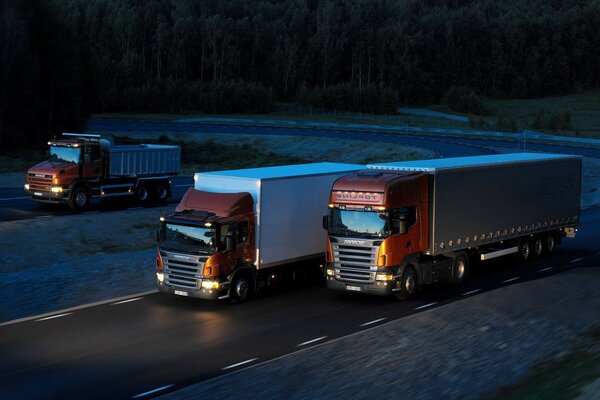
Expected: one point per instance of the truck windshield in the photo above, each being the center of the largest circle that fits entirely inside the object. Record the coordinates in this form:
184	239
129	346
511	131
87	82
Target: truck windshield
189	238
359	223
65	154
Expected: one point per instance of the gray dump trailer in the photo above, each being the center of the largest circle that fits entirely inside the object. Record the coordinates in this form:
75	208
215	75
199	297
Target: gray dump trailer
86	166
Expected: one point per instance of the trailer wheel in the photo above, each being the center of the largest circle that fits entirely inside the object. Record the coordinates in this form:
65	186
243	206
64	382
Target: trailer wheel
241	289
524	250
141	193
161	192
460	269
538	246
408	283
80	199
550	244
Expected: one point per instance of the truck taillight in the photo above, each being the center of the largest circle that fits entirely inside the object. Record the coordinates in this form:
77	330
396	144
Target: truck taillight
159	262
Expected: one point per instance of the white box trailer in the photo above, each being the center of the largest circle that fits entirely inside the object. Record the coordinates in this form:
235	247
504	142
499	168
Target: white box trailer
289	204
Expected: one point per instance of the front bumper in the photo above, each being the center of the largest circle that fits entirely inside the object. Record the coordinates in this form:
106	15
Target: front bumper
378	288
198	292
47	197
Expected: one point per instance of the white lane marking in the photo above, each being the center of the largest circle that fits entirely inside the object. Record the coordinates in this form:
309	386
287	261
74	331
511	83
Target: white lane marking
14	198
137	396
71	309
373	322
471	292
577	259
426	305
240	363
545	269
126	301
54	316
511	279
312	341
44	216
184	185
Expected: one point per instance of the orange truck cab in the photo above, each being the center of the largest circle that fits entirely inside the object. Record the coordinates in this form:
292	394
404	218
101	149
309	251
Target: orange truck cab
85	166
239	231
396	226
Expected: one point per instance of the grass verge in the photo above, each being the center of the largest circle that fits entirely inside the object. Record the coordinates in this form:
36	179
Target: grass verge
561	378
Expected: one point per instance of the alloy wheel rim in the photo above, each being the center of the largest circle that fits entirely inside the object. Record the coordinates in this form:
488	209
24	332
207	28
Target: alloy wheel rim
80	199
409	282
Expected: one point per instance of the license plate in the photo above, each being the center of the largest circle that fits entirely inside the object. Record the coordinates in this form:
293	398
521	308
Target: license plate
181	293
37	194
353	288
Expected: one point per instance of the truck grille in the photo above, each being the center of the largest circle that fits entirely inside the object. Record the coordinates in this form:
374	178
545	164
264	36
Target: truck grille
355	263
39	182
182	270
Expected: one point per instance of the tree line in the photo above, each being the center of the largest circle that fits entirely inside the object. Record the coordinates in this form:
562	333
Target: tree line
62	59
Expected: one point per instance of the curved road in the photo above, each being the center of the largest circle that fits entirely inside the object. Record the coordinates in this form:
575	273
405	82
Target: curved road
15	205
150	344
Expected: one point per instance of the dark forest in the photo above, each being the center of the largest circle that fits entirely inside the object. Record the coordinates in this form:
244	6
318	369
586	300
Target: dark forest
63	59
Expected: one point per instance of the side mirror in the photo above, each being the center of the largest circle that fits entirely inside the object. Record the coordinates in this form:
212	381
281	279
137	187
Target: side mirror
158	235
325	222
402	226
230	243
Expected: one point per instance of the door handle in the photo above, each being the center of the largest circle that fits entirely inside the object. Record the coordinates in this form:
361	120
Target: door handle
407	244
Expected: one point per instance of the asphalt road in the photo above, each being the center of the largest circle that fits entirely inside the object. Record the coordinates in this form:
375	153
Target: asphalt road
150	344
15	205
129	347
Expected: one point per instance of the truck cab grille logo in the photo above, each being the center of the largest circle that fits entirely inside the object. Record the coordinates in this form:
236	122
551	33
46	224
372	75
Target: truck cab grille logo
182	258
353	241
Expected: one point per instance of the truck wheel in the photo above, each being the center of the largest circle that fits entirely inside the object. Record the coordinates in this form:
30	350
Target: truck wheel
80	199
241	289
538	246
460	269
524	250
550	244
141	193
161	193
408	284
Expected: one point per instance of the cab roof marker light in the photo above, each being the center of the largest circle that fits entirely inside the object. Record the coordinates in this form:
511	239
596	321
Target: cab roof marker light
208	224
162	219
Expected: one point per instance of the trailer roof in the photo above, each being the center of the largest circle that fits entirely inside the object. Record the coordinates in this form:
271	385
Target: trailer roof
285	171
465	162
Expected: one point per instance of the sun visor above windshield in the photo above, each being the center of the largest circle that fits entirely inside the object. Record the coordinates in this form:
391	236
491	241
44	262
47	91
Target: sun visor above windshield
221	204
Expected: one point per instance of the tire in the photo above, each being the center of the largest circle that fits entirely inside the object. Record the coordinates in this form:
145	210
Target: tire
460	269
524	250
80	199
550	244
408	283
161	192
241	289
142	194
537	247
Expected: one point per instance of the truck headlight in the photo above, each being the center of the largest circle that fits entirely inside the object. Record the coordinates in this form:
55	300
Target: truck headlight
210	284
384	277
330	272
160	276
27	186
56	189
